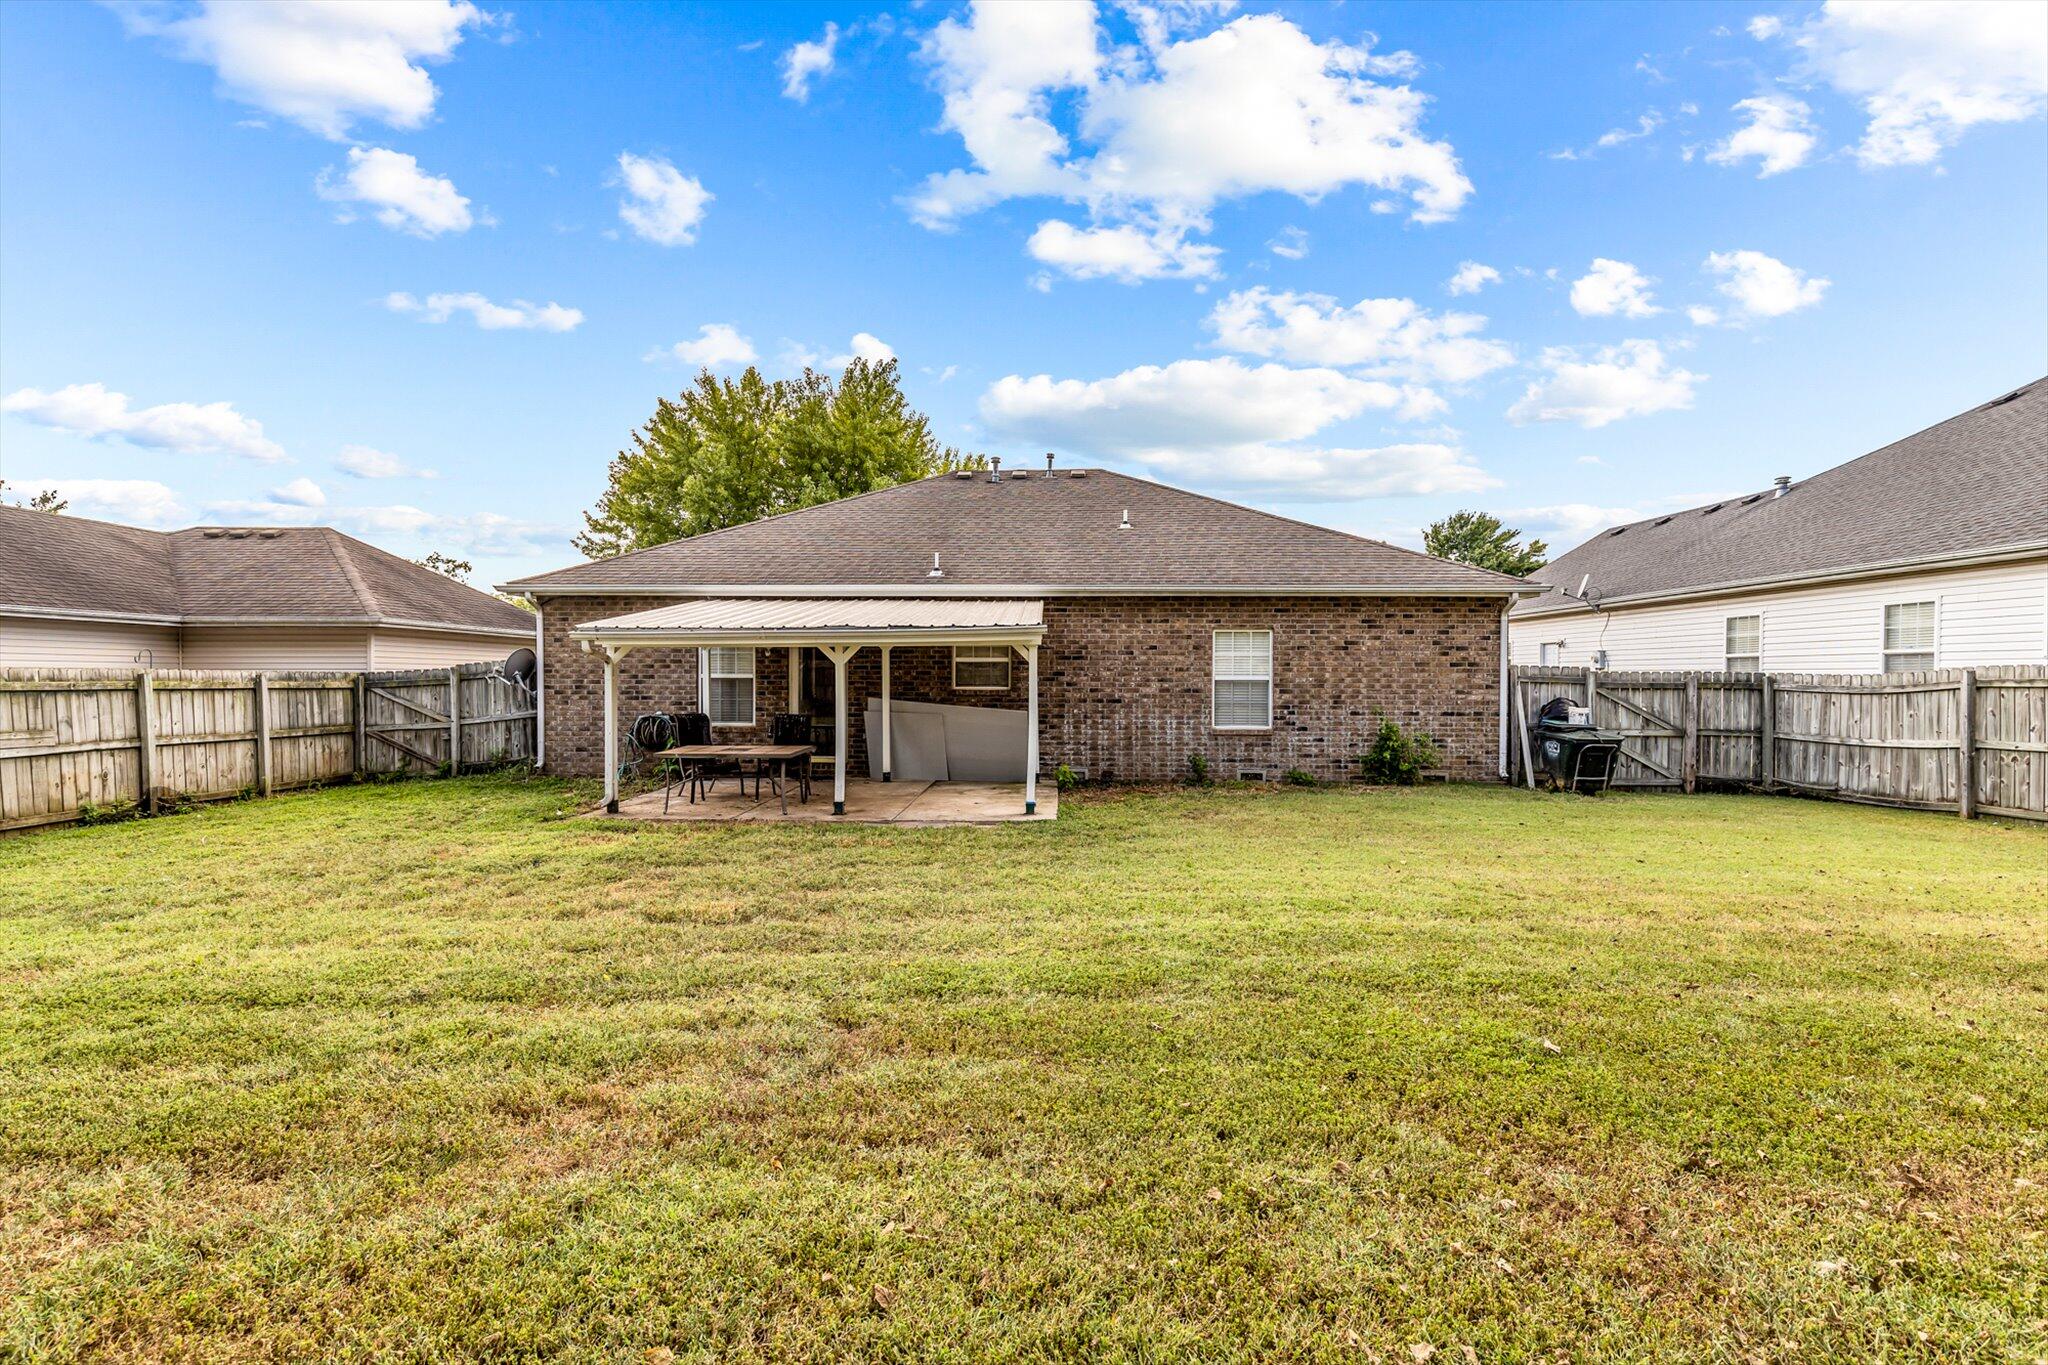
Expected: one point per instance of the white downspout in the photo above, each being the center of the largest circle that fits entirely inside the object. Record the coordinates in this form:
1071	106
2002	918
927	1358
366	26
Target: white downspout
540	688
1504	687
1031	731
886	767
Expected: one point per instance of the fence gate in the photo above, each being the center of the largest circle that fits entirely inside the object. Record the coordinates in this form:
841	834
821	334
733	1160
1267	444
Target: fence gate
1653	743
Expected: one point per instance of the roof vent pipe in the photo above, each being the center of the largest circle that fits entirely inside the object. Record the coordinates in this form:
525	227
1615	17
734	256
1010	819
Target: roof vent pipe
1048	464
995	469
1125	524
936	571
1781	485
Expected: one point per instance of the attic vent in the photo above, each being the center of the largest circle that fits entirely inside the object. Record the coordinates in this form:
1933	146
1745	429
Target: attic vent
1753	497
268	535
963	473
1019	474
1708	512
213	535
1617	530
2001	402
1662	520
1077	473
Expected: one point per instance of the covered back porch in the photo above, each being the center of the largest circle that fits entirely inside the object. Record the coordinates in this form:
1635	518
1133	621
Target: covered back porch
815	647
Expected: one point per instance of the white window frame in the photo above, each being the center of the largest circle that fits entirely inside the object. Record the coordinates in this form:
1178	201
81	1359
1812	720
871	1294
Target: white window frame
1884	643
1728	656
1214	637
988	654
752	675
1550	653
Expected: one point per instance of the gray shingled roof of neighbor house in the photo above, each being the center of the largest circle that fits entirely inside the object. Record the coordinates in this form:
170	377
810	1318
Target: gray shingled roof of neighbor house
1026	534
1974	484
65	565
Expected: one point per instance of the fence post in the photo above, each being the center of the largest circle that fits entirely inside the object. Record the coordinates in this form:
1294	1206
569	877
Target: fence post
362	695
1593	694
1522	729
263	775
455	722
1966	745
1691	759
1767	738
145	737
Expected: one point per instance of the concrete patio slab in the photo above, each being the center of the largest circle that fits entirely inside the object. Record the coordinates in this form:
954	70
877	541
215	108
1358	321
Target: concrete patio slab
867	803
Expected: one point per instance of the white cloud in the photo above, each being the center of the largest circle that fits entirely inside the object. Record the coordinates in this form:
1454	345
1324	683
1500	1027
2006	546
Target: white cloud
367	462
403	197
1763	286
1779	134
1292	244
808	61
1629	380
1612	287
187	428
718	346
300	492
1765	26
1700	315
136	502
1471	278
1387	338
491	317
1927	73
662	204
323	66
1125	254
1570	522
1168	130
864	346
1222	423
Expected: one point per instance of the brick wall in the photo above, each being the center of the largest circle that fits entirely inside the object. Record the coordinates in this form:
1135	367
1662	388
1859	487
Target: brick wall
1123	683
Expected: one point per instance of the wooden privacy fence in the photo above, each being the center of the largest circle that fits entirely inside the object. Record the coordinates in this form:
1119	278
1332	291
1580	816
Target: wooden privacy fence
72	738
1972	740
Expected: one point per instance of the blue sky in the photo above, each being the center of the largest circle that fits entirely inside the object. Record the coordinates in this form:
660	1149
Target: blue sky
280	265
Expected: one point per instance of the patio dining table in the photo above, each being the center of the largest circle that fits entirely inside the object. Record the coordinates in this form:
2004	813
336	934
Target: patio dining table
760	755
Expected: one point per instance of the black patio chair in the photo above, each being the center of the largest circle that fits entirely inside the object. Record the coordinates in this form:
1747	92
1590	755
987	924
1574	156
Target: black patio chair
792	728
702	774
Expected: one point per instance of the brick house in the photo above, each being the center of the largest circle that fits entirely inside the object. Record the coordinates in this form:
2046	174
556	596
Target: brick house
1016	622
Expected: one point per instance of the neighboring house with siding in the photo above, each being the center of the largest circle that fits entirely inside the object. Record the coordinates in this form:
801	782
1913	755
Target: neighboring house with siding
1157	624
76	593
1929	553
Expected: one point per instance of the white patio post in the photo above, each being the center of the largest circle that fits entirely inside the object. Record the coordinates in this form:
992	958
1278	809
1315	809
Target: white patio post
839	654
611	728
796	696
1031	729
885	713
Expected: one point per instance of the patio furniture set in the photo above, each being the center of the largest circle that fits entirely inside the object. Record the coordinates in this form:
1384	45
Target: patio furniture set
682	753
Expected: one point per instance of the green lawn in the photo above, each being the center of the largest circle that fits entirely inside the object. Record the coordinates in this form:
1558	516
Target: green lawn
439	1070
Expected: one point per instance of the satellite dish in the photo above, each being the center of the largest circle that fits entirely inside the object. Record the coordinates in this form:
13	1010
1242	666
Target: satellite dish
521	666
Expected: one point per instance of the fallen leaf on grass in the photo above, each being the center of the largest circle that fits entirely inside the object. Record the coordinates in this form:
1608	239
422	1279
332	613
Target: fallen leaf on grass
885	1297
1549	1046
1214	1196
1421	1351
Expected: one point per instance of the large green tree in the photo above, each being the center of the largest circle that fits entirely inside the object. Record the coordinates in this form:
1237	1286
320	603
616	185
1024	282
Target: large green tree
1479	539
728	451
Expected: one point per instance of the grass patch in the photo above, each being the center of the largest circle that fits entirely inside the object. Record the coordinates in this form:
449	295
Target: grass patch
438	1071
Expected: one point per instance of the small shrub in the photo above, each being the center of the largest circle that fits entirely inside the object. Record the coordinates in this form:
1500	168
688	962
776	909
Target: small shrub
1398	756
1198	770
93	813
1296	777
1065	778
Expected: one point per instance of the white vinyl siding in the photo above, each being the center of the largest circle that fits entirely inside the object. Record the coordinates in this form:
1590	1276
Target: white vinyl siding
1908	636
1241	676
439	648
277	648
981	668
1744	646
38	642
1989	615
730	698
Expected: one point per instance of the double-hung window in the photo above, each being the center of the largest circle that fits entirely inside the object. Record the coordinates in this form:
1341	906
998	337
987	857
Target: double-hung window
1744	644
981	668
729	686
1908	636
1241	678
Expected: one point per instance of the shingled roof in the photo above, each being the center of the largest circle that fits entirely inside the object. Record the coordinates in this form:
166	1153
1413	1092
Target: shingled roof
1024	534
65	566
1974	484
